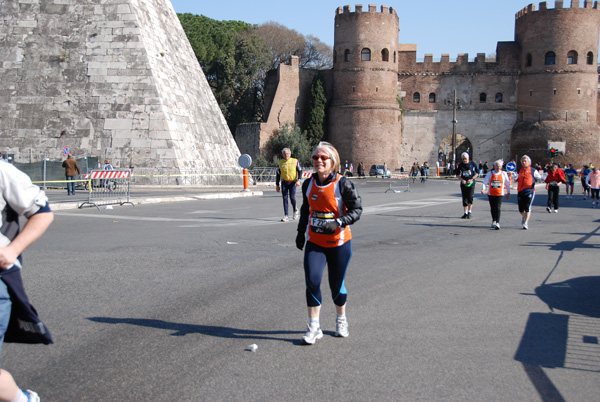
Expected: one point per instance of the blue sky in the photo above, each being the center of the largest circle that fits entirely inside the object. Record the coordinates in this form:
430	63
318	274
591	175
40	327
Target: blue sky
436	26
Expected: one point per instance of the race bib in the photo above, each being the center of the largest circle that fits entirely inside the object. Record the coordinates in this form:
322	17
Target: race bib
496	184
318	219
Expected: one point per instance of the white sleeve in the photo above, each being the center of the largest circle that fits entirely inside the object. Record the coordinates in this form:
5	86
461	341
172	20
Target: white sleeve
24	197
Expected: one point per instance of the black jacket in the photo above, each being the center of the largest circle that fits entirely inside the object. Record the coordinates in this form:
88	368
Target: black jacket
350	196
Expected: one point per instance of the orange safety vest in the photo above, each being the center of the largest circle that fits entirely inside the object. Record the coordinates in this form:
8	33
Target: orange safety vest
496	187
525	179
325	205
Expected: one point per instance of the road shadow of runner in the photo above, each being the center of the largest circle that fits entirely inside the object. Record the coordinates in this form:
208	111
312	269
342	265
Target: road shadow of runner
210	330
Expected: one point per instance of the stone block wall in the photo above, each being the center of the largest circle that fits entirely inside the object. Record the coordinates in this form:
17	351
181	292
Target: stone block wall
109	79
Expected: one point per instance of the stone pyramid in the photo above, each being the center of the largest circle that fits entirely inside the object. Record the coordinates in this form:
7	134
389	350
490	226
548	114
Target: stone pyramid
107	78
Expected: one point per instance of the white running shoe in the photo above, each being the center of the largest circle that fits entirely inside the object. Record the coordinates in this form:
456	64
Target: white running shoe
341	328
525	227
296	214
497	227
285	219
31	396
493	225
556	211
313	333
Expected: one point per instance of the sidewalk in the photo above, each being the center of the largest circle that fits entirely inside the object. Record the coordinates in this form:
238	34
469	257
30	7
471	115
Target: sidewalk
59	200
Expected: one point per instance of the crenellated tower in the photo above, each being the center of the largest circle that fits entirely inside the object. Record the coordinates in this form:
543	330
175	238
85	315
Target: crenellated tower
364	114
558	81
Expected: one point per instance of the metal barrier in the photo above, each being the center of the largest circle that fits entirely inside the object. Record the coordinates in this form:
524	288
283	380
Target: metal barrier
107	187
401	183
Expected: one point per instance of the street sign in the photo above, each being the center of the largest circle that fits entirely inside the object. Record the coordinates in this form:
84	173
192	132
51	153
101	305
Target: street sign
511	166
66	150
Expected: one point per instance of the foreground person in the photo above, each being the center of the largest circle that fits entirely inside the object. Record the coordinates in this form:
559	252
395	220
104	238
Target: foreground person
330	204
19	197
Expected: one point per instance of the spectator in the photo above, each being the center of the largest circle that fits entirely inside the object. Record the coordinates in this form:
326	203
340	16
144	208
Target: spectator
71	170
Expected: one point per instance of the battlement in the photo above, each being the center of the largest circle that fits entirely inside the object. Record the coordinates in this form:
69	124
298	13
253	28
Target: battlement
558	5
358	9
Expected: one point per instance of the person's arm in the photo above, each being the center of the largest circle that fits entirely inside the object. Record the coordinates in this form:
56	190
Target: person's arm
352	201
299	173
506	185
277	178
486	182
303	221
32	231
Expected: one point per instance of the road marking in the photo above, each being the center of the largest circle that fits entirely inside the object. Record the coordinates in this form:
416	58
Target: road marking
211	221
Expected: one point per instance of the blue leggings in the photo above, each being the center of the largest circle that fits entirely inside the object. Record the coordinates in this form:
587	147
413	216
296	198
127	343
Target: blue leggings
288	188
337	259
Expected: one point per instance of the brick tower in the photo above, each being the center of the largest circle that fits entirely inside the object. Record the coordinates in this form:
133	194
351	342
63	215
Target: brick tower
364	114
558	84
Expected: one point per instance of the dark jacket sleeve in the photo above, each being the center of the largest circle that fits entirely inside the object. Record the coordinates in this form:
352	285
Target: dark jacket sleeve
299	170
352	201
277	176
303	221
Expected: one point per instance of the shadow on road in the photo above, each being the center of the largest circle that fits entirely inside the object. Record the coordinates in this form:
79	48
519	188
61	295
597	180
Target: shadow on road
210	330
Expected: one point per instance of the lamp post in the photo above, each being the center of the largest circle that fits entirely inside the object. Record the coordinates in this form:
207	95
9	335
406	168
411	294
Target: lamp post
455	105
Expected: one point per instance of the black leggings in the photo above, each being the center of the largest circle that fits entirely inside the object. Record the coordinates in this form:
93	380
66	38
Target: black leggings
467	194
495	205
553	196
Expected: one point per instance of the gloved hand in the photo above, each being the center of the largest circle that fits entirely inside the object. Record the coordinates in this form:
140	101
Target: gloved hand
300	240
330	227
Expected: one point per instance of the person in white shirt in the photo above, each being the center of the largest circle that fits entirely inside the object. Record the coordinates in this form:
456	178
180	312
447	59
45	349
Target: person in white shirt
496	185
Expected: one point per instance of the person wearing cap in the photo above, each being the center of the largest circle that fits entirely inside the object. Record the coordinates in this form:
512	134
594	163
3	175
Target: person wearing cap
290	174
466	171
554	177
496	185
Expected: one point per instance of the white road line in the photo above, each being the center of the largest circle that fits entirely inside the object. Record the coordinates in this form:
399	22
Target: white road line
258	221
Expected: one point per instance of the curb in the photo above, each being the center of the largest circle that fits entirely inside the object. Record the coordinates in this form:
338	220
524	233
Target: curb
157	200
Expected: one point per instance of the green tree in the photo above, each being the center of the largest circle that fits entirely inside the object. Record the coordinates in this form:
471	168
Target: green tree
315	125
289	136
234	61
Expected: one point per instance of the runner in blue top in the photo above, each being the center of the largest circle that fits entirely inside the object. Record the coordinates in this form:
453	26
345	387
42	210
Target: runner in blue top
584	175
570	174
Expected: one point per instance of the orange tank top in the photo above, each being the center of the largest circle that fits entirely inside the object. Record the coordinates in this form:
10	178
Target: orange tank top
496	184
326	205
525	179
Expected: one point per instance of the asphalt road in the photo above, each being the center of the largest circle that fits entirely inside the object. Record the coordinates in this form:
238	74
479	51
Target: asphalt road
160	303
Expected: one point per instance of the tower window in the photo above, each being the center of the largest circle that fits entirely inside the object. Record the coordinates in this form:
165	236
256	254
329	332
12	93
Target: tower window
572	57
550	58
499	97
590	58
482	97
529	60
531	92
334	57
554	91
432	98
347	55
385	55
395	57
365	54
416	97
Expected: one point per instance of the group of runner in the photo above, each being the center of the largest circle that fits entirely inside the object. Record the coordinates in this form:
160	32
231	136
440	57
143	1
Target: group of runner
497	182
